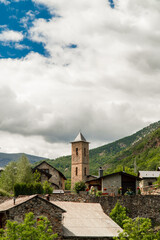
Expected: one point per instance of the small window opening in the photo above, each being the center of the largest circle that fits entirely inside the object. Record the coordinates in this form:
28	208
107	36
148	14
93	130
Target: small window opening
76	171
77	151
85	152
85	171
46	170
149	183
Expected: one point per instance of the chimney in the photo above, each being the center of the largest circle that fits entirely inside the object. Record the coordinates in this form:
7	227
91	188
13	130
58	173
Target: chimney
100	172
14	200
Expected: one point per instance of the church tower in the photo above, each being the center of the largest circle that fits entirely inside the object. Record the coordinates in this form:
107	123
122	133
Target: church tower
80	160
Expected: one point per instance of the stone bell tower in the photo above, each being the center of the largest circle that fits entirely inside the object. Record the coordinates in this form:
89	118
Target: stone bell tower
80	160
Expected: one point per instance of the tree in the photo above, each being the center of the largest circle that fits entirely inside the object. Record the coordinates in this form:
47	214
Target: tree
16	172
137	229
24	172
79	186
9	177
47	188
119	214
28	230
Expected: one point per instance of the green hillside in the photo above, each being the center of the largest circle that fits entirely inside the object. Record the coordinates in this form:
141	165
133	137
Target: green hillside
5	158
121	152
140	149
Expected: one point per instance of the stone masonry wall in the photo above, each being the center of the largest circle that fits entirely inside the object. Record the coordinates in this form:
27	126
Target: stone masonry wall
39	208
147	206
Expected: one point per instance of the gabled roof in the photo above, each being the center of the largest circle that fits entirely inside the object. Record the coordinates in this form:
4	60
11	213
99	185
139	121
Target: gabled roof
149	174
80	138
50	166
43	172
87	220
9	204
117	173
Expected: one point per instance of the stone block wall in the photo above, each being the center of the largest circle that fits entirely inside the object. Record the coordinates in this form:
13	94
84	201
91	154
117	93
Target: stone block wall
39	208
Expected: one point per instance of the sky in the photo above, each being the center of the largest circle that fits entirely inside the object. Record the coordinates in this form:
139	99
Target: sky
78	65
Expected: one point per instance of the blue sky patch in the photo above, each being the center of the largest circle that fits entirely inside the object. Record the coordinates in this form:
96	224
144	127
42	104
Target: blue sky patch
111	2
19	16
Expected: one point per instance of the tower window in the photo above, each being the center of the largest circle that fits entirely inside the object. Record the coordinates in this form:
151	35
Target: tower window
85	152
77	151
85	171
76	171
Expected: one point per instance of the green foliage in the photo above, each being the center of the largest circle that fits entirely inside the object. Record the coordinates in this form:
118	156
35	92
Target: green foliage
47	188
28	230
24	172
98	193
137	229
140	147
36	176
38	188
119	214
28	189
8	177
16	172
79	186
68	184
4	193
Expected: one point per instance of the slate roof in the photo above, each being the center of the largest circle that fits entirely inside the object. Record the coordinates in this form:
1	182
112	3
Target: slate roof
86	220
149	174
80	138
117	173
19	201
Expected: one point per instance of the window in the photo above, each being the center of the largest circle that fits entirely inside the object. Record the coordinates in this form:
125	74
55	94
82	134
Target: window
76	171
46	170
149	183
77	151
85	152
85	171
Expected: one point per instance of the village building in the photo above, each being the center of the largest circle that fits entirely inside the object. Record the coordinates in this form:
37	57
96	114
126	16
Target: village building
148	179
71	220
115	183
80	160
50	174
15	211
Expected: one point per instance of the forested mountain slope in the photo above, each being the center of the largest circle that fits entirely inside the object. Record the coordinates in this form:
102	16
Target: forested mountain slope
140	150
127	151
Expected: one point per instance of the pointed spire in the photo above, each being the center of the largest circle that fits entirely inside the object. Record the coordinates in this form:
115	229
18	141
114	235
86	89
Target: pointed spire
80	138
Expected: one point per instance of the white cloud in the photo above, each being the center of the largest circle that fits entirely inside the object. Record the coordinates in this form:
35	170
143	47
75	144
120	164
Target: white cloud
108	86
4	1
11	36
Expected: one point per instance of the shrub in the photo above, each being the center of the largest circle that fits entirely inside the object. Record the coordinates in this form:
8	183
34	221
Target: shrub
79	186
119	214
4	193
47	188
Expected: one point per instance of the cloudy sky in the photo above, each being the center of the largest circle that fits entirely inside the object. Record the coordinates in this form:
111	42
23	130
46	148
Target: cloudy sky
70	65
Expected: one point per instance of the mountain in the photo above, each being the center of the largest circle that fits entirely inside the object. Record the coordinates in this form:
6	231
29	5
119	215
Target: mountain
140	150
119	153
5	158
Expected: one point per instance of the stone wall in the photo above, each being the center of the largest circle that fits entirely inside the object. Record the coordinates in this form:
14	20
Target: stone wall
147	206
40	208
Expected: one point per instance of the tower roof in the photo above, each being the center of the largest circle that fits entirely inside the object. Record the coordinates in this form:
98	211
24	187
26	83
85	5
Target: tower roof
80	138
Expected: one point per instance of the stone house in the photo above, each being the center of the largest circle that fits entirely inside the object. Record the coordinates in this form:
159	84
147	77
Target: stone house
71	220
35	204
50	174
148	178
111	183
